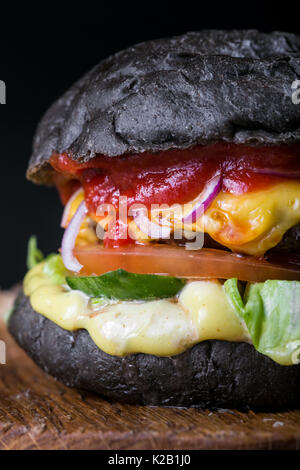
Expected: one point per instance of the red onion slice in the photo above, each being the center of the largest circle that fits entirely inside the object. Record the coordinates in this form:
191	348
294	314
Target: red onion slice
151	229
209	193
280	173
64	219
69	238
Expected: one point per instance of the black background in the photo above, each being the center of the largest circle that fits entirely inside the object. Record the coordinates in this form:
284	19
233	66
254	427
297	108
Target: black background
42	55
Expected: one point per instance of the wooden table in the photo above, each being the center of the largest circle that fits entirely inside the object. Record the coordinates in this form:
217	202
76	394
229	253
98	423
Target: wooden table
36	412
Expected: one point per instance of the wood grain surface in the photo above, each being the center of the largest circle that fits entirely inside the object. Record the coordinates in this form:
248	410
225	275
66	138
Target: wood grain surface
36	412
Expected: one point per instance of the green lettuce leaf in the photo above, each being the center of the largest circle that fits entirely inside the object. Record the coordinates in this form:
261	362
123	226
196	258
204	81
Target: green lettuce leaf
34	255
271	311
55	269
53	263
123	285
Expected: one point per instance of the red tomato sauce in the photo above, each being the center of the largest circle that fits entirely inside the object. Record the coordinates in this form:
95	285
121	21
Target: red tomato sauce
174	176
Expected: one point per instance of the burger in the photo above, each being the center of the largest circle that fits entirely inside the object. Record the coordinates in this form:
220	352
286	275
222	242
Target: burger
177	282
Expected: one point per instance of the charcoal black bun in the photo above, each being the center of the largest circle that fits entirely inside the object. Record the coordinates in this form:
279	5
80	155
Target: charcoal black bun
212	374
202	87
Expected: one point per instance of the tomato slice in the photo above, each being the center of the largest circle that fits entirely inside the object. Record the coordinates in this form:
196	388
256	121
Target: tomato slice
176	261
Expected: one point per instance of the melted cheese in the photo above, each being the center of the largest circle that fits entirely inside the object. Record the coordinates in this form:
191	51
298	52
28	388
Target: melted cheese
253	223
160	327
250	223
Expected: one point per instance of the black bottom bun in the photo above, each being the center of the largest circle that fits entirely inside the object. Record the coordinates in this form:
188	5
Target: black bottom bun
212	374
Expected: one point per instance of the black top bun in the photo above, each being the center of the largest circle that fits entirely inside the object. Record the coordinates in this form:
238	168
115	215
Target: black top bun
193	89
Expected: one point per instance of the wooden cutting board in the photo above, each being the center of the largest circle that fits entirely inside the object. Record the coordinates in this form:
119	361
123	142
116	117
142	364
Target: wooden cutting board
36	412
